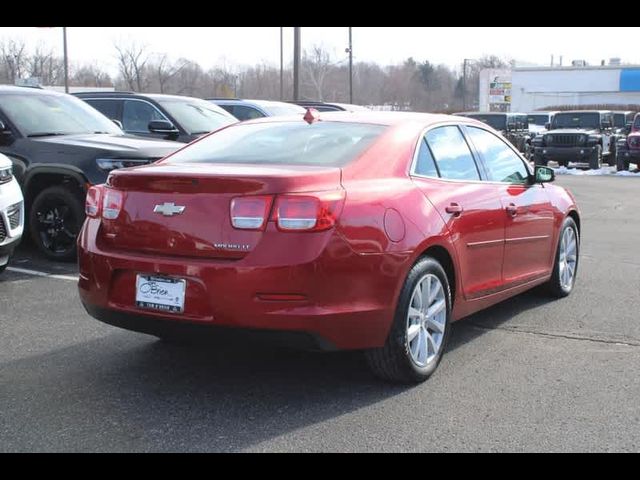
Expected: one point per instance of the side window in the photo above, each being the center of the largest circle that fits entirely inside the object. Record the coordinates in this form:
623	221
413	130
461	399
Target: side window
109	108
425	165
502	163
452	154
136	115
242	112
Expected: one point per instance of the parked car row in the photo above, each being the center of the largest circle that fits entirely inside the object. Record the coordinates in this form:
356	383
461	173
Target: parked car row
60	145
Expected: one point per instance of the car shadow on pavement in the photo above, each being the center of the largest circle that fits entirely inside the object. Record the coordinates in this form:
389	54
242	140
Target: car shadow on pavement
130	392
497	316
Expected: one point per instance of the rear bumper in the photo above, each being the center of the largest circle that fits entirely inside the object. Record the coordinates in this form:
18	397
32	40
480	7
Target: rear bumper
348	300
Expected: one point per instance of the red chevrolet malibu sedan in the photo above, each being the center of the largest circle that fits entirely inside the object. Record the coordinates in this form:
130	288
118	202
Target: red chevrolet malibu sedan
368	231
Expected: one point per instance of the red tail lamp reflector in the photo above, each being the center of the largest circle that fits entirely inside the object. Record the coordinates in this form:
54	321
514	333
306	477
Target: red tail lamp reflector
250	213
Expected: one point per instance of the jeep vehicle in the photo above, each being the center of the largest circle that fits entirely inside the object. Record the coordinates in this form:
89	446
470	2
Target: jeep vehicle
513	126
538	122
627	151
59	147
622	120
169	117
585	137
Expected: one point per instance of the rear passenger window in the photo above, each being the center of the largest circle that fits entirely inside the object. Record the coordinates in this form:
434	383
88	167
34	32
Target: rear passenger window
452	154
502	163
425	165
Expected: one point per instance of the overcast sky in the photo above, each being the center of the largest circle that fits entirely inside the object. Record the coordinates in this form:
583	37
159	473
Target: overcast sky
211	46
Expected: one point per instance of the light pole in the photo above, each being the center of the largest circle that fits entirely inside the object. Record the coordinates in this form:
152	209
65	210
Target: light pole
296	64
350	50
66	60
281	66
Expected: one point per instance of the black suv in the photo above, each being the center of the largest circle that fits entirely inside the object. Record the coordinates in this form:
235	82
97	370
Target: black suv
169	117
513	126
580	136
59	146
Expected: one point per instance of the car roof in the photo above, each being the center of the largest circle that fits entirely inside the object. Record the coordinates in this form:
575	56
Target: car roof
28	90
585	111
240	101
376	117
154	96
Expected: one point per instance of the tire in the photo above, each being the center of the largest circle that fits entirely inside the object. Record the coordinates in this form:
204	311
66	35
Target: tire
595	162
55	219
621	163
557	286
396	361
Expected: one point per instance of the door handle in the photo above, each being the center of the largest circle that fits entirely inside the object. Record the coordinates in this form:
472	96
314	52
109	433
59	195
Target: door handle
512	209
454	209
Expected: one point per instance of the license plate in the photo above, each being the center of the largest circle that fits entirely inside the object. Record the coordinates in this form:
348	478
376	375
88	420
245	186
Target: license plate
160	293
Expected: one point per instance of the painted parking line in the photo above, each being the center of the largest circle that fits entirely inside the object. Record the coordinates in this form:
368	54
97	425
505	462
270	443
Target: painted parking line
35	273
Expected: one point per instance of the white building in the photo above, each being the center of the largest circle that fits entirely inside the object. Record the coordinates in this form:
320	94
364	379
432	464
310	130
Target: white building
535	88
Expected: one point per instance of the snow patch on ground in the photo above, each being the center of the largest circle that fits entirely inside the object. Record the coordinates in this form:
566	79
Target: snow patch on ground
599	172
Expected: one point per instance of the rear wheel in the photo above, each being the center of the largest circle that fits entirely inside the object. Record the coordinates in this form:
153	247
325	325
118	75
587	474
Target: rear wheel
55	220
595	162
420	329
565	267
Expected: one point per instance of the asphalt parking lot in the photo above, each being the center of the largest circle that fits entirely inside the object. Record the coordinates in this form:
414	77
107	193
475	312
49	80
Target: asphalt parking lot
532	374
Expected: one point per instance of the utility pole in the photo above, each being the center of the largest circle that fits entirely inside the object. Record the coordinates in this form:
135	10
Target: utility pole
281	66
464	85
296	64
350	68
66	60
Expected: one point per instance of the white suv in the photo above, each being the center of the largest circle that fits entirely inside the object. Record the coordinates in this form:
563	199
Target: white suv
11	212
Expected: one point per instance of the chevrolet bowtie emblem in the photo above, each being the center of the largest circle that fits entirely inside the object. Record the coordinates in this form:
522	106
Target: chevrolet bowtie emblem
168	209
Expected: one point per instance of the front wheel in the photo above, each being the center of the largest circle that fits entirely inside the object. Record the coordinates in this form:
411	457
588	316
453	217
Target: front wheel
621	163
565	267
55	219
420	328
595	163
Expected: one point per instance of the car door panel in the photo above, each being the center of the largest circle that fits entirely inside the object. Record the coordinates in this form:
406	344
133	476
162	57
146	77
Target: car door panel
470	208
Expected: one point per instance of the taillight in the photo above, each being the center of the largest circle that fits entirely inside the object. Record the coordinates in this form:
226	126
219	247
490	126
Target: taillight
251	212
92	202
112	204
309	212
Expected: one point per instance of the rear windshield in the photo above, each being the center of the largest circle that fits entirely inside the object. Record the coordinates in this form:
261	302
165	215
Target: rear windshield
290	143
541	120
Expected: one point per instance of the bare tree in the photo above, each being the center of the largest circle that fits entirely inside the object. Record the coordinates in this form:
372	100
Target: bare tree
132	61
165	70
90	76
316	64
44	65
14	60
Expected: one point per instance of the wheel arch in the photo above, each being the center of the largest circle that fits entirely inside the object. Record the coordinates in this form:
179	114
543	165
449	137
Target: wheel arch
446	259
37	178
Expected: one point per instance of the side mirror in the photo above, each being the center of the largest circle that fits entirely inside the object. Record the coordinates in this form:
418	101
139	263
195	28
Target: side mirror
544	174
163	127
3	128
118	123
547	126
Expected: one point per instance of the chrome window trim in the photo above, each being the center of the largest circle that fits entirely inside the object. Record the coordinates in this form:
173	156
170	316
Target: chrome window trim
412	173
